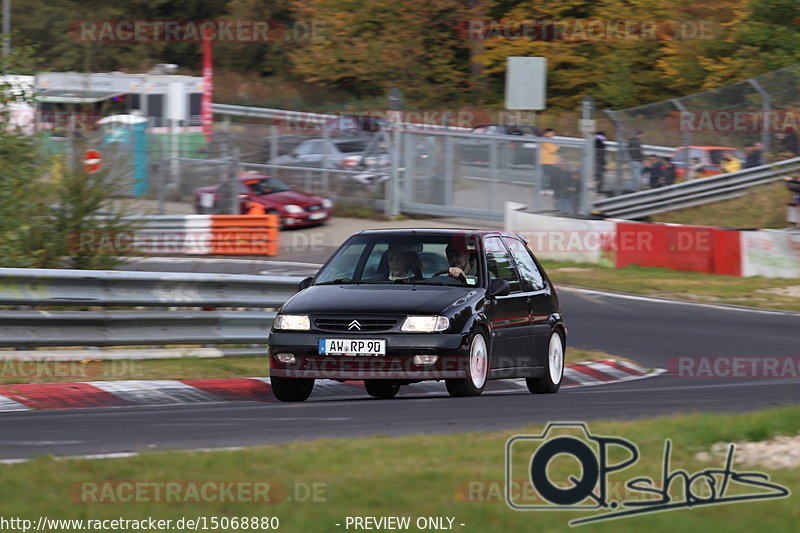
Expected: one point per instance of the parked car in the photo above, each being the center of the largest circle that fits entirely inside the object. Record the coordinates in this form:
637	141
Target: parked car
389	309
296	208
320	153
710	158
515	153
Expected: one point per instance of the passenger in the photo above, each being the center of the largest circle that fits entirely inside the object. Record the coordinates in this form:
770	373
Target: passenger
400	265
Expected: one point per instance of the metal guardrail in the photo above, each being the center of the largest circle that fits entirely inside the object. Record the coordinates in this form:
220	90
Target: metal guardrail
102	288
696	192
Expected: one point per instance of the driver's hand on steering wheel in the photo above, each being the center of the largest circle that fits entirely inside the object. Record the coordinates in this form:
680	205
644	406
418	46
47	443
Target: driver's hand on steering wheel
456	272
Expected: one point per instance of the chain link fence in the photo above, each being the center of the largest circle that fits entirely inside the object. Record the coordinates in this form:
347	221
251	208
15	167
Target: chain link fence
428	172
733	118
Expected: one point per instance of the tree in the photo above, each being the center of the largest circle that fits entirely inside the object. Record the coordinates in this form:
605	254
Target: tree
369	47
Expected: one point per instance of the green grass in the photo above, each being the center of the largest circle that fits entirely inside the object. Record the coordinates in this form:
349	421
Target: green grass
425	475
183	368
12	372
762	207
693	286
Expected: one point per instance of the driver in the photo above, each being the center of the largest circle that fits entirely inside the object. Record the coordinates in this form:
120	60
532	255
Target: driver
462	264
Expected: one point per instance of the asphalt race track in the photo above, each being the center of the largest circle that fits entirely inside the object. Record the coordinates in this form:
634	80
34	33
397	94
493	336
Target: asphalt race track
648	331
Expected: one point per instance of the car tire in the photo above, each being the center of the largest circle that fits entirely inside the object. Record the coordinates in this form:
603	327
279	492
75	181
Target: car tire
291	389
550	382
477	369
381	388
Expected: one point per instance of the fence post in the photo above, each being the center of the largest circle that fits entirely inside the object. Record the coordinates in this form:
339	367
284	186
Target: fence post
622	148
393	187
765	108
536	203
587	173
326	137
493	164
686	136
273	142
449	171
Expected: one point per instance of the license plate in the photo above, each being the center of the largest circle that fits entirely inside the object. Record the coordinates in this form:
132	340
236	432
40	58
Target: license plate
352	347
529	145
317	216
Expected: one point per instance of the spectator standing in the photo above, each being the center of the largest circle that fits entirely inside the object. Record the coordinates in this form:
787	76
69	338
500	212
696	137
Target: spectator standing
565	190
550	160
790	143
668	172
695	169
729	163
635	157
654	170
755	153
599	160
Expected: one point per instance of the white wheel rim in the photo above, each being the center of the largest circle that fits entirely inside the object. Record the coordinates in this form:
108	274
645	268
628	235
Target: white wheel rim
555	358
478	361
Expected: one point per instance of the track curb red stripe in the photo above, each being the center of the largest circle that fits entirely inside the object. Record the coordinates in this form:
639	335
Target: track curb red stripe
36	396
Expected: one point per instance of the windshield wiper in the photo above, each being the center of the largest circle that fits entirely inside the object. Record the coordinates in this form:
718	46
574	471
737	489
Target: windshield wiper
340	281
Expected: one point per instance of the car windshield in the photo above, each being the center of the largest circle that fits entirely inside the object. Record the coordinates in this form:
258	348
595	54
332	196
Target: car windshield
413	259
267	186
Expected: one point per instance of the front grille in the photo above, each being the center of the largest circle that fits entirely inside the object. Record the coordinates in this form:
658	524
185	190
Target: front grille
312	208
366	324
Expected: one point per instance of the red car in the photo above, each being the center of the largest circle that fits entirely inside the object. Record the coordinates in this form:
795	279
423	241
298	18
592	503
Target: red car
296	208
709	156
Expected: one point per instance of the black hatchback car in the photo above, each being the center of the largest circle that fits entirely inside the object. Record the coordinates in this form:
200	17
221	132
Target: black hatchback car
393	307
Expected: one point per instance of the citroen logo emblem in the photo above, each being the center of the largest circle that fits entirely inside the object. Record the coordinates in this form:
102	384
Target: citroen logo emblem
354	324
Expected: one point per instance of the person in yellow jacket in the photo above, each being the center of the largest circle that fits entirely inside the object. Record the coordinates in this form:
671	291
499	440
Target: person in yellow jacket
729	163
549	159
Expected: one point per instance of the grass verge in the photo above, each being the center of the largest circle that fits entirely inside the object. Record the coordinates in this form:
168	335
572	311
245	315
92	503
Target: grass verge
761	207
428	475
768	293
15	372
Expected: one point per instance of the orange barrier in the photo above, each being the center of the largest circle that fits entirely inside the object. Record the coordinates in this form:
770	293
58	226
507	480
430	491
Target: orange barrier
244	235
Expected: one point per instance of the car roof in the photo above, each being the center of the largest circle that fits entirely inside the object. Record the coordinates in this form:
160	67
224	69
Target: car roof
435	231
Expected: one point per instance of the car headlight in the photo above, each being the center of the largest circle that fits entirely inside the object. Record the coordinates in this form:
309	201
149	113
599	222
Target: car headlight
292	322
293	209
425	324
327	204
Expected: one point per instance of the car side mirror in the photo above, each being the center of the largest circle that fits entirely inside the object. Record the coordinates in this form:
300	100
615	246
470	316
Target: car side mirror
499	287
306	283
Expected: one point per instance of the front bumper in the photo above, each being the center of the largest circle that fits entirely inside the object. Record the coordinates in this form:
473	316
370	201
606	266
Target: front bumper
398	362
305	218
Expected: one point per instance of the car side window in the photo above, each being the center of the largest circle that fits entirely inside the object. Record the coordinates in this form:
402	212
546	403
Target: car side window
532	279
304	148
318	147
499	263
